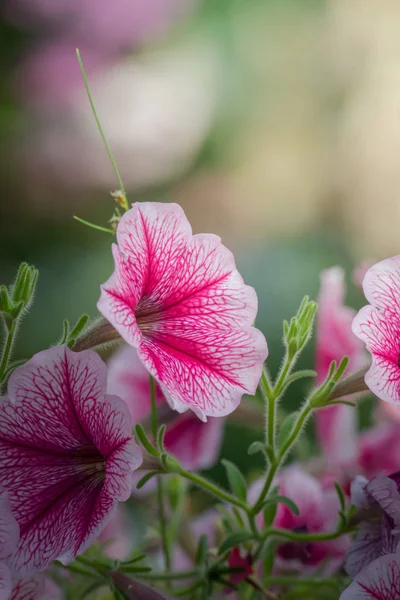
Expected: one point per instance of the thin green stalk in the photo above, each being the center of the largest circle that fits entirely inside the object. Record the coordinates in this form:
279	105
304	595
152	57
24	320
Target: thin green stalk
273	468
103	137
160	487
211	488
304	537
7	349
163	524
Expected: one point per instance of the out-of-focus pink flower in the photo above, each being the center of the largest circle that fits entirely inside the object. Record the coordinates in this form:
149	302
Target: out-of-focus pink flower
378	326
194	443
51	77
137	590
380	580
117	536
66	455
379	450
377	536
336	425
318	512
116	25
236	560
179	299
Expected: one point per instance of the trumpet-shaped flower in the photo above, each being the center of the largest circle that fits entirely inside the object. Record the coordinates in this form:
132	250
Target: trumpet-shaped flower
194	443
380	580
179	299
379	534
378	326
336	424
66	455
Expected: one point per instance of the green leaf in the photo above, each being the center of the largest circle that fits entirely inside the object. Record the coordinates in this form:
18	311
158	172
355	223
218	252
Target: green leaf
300	375
268	555
5	301
160	437
236	480
288	502
145	479
341	496
286	428
145	441
256	447
65	333
269	513
235	539
80	324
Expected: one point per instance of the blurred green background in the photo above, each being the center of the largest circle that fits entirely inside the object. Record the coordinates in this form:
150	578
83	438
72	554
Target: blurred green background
274	123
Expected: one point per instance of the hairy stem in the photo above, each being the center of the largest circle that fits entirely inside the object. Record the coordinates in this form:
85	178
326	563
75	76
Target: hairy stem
7	350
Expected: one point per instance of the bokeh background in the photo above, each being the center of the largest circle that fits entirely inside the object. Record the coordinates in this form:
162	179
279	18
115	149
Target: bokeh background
274	123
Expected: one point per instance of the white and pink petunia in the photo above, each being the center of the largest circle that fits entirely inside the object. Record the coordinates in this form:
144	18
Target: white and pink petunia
194	443
380	580
336	425
378	326
66	455
180	301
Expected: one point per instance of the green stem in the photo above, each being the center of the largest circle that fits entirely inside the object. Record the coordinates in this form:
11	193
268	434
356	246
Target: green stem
304	537
7	349
160	487
211	488
274	466
103	137
163	524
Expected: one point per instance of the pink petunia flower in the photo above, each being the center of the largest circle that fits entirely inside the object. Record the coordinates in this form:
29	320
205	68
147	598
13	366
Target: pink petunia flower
379	535
179	299
318	513
380	580
194	443
378	326
66	455
336	425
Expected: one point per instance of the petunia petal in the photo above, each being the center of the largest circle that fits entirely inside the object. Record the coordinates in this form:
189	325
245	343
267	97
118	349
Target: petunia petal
9	529
380	580
381	285
5	582
29	589
381	335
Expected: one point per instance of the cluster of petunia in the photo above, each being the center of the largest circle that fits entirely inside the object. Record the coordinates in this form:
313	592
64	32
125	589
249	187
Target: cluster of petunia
68	455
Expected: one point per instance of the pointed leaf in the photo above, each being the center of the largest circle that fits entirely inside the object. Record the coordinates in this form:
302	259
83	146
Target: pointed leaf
236	480
145	441
235	539
146	478
256	447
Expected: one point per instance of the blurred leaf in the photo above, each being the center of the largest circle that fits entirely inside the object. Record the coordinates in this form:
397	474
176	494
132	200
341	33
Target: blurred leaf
235	539
236	480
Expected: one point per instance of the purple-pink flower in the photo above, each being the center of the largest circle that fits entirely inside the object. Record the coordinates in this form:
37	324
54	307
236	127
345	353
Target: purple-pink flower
378	326
179	299
318	513
66	455
379	534
336	425
194	443
380	580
